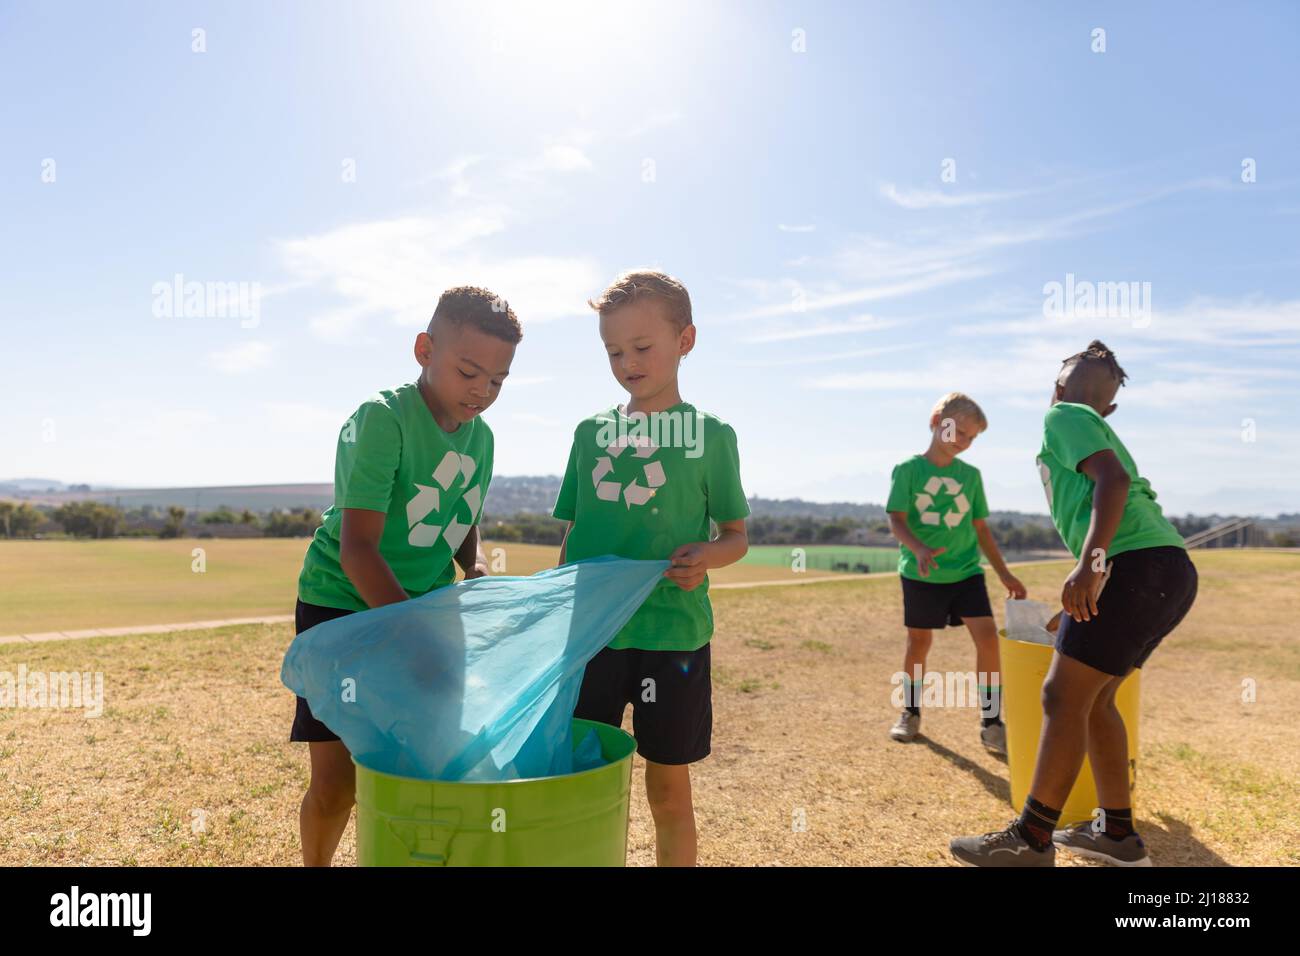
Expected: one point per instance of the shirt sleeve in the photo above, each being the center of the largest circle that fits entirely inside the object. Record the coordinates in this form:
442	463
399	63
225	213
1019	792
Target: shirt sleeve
979	505
566	503
725	495
1072	434
366	461
900	490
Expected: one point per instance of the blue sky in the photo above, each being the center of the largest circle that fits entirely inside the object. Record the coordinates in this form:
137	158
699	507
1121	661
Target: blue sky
864	224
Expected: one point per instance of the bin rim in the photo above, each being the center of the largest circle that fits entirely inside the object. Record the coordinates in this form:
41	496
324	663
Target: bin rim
1002	633
506	783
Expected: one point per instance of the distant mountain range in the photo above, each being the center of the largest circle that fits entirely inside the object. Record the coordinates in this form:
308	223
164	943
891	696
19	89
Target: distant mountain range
509	495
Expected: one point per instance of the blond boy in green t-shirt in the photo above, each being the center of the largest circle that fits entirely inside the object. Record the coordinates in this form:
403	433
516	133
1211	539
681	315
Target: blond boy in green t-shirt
644	480
937	511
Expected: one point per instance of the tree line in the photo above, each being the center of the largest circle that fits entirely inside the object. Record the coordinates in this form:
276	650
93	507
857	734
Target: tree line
93	519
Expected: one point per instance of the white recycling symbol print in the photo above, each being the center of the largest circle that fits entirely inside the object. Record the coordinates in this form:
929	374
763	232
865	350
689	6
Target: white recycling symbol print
427	500
634	493
925	501
1045	473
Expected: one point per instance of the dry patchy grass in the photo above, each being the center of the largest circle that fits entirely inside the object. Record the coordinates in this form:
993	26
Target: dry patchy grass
197	723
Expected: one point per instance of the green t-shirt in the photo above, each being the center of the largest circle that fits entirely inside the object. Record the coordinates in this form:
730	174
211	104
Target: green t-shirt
642	486
941	505
393	457
1072	432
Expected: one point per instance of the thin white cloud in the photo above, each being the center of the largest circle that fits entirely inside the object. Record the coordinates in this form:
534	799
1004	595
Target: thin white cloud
394	270
865	323
304	418
655	121
457	173
870	268
239	359
816	359
1020	375
811	300
475	175
935	199
1249	322
561	159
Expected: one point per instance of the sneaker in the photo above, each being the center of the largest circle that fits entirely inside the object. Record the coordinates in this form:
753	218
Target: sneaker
1000	848
906	727
1080	838
994	738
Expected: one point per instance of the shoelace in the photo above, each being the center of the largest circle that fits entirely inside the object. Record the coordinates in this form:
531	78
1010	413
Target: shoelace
1009	835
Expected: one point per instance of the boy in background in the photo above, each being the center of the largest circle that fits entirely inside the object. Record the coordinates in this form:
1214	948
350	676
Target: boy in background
938	513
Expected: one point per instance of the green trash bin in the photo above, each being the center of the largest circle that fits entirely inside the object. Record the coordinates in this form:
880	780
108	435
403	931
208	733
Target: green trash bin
577	819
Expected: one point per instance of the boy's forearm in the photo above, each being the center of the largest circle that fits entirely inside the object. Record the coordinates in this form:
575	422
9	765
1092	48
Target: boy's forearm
727	548
991	551
564	541
470	554
1108	499
371	575
903	534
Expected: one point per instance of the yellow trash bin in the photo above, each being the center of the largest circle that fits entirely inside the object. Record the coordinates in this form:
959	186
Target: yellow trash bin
1024	668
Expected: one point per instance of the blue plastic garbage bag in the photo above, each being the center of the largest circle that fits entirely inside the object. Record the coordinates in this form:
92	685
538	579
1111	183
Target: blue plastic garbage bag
474	681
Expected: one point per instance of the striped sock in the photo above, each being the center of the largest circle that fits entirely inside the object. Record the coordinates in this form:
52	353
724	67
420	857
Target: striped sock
1036	823
990	704
1119	822
912	695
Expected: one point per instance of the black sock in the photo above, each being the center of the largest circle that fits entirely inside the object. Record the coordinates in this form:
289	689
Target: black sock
1119	823
912	696
1036	823
990	705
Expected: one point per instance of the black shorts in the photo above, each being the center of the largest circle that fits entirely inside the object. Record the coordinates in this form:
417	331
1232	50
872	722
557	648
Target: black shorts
1149	592
931	606
307	728
672	718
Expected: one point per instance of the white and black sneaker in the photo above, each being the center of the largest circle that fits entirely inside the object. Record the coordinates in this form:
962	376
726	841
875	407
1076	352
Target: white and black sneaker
1081	839
994	738
906	727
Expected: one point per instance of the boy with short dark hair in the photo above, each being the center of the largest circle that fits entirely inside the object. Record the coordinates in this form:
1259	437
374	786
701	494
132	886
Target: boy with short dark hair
644	480
1132	585
412	469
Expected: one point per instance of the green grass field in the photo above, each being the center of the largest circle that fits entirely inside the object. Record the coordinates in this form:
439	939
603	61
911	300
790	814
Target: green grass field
825	557
72	585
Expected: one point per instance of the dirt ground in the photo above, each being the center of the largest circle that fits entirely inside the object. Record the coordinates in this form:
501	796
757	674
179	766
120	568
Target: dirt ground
190	763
